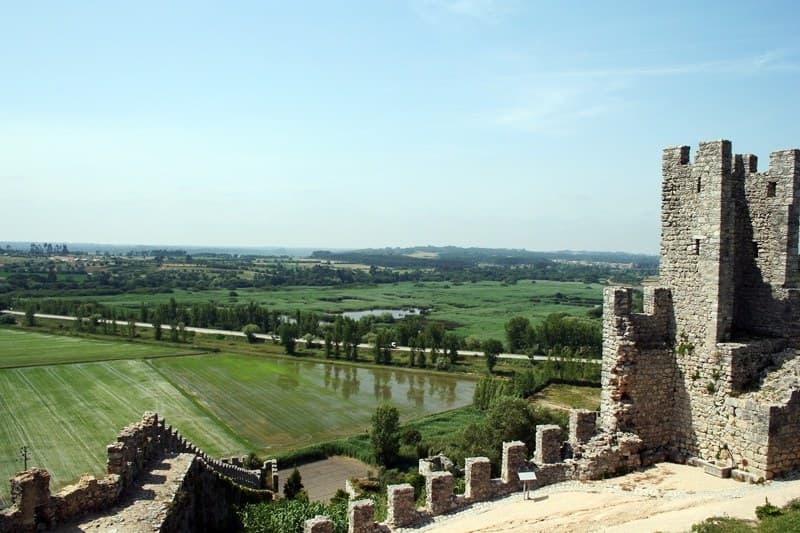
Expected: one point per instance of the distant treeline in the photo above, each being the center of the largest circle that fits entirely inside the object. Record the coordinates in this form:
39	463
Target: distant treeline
427	256
164	270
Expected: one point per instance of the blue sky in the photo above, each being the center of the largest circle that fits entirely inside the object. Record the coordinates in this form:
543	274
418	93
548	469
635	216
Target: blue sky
511	123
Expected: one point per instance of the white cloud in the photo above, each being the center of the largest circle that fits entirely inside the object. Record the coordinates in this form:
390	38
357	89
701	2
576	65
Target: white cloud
557	102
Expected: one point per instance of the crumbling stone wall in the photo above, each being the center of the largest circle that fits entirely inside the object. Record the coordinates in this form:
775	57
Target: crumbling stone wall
212	482
685	376
638	367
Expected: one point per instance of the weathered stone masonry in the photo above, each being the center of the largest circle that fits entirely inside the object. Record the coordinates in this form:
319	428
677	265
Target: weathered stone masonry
204	493
709	370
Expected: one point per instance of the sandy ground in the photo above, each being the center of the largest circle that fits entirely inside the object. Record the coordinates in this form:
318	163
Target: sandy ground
321	479
667	497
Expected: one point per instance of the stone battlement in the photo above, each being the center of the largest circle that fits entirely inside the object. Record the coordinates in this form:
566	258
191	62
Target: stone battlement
136	448
725	316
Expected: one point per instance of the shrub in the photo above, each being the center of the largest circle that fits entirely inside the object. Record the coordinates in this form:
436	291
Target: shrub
767	510
293	485
288	516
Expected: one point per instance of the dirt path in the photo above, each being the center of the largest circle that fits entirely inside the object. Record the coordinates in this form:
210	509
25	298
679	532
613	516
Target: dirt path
321	479
666	497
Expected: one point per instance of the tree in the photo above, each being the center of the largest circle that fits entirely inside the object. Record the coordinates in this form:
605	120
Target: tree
451	344
157	331
131	328
328	345
385	434
287	334
250	331
293	485
491	349
30	316
517	333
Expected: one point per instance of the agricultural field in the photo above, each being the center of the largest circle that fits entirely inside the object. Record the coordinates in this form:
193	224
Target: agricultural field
277	405
67	414
227	404
480	309
23	348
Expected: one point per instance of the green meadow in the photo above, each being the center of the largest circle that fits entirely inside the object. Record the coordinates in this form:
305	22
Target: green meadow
22	348
479	309
67	414
225	403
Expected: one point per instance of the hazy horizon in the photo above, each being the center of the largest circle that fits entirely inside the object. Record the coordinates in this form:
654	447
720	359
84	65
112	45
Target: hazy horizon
473	123
87	246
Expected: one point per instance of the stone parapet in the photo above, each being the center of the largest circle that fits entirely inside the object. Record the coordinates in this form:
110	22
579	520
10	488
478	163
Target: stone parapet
361	516
401	505
582	426
548	444
514	462
478	478
439	497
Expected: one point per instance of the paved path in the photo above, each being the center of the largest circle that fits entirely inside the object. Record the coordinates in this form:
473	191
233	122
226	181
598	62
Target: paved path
266	336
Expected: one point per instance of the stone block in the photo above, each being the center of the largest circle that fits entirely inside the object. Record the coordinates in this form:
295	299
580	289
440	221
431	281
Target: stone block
548	444
514	461
582	423
360	516
318	524
439	487
401	505
478	478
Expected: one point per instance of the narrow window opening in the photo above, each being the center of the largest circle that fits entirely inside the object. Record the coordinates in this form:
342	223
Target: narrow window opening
698	184
697	247
755	249
771	189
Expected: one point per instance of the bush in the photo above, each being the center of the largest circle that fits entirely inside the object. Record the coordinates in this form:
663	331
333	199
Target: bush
294	485
288	516
767	510
722	524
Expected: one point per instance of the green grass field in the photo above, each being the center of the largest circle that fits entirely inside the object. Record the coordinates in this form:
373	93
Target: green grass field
227	404
67	414
479	309
22	348
279	405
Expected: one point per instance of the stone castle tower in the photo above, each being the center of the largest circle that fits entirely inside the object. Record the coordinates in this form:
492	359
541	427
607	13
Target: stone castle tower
710	369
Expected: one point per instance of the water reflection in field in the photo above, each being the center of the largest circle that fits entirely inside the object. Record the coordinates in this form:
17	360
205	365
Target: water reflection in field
283	404
404	386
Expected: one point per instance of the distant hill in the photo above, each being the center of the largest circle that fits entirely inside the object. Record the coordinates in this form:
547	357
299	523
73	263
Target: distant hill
456	257
122	249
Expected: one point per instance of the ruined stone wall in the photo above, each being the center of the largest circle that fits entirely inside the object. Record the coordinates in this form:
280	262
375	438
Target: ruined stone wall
768	214
206	501
638	368
672	375
136	446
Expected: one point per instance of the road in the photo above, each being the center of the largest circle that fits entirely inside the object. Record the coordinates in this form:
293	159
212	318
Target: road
265	336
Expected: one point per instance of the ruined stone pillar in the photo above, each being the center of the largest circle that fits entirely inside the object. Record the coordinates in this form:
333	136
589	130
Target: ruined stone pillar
360	516
478	478
401	505
269	475
30	493
116	458
439	488
318	524
548	444
581	426
514	459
